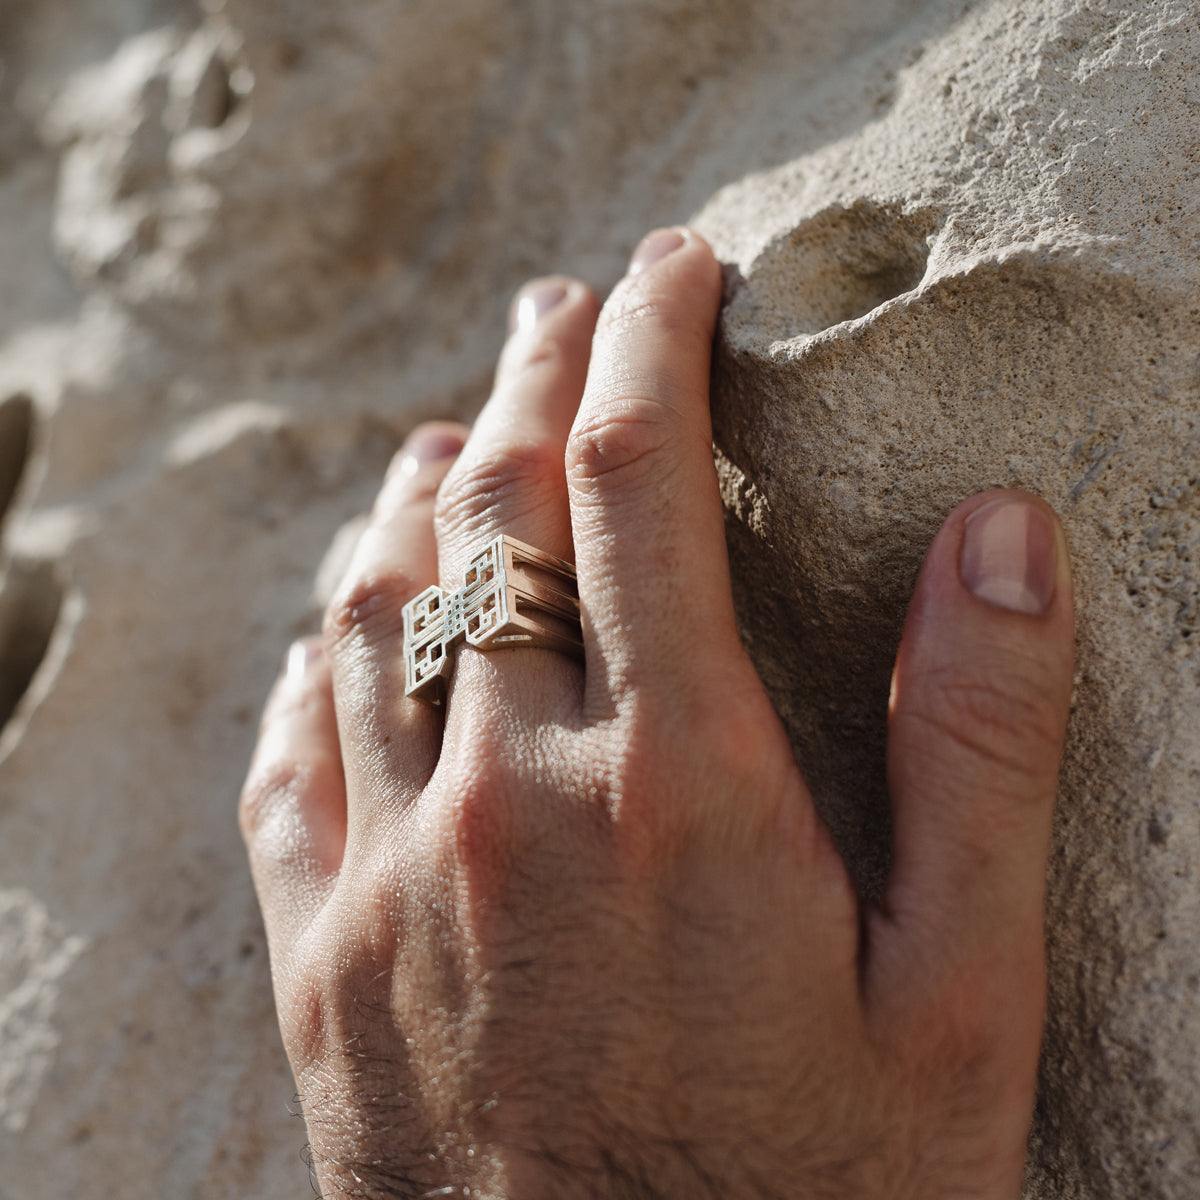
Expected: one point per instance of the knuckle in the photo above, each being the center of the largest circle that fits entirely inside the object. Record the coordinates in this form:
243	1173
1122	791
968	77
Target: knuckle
627	438
636	793
1001	719
303	1021
368	604
733	731
479	834
630	308
547	354
268	791
339	986
954	1043
721	748
475	823
964	1019
642	309
634	307
505	481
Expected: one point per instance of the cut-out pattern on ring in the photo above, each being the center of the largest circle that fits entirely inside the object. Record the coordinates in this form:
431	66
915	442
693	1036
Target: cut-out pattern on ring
512	595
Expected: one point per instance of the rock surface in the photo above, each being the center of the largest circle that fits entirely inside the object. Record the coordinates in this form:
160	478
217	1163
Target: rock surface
246	246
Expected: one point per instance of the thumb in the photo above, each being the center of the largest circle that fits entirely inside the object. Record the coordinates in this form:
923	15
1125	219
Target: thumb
978	714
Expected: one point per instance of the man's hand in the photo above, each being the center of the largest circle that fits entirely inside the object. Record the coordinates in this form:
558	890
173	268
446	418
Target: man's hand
581	933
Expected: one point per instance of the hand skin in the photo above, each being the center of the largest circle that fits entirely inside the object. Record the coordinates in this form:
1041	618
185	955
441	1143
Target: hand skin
581	933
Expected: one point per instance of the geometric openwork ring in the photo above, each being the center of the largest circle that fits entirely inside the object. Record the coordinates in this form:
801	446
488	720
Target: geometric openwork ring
512	595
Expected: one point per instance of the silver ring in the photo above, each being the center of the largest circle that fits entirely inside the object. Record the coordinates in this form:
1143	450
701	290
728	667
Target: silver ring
512	595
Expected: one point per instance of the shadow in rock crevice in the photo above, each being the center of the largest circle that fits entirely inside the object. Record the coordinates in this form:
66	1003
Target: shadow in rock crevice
31	599
31	588
16	441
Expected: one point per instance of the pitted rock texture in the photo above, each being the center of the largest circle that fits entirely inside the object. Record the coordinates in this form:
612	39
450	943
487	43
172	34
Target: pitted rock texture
1013	249
247	245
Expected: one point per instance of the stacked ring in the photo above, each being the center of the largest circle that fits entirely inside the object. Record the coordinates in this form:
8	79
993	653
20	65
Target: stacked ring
512	595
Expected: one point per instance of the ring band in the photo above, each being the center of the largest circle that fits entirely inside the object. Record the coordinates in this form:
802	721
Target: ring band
512	595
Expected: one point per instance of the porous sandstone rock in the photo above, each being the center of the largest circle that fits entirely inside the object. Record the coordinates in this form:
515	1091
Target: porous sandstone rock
246	246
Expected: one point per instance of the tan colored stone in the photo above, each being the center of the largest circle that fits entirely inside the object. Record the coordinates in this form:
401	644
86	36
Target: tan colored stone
995	284
245	249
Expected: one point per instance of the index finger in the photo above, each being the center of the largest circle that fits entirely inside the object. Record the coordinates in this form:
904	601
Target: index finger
645	506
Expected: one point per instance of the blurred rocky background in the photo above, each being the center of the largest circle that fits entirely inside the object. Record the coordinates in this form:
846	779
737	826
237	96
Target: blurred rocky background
245	245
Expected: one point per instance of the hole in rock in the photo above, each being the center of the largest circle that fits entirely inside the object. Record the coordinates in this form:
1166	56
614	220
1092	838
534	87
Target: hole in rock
216	99
16	437
840	264
31	597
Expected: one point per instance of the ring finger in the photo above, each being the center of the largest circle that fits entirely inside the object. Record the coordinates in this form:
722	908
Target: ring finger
390	743
511	479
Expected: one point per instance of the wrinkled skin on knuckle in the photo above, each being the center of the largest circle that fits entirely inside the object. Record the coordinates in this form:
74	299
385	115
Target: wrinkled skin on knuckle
962	1044
367	607
513	478
264	792
626	311
625	443
635	314
546	355
695	769
348	954
488	828
473	832
303	987
269	805
1002	717
522	828
623	765
632	311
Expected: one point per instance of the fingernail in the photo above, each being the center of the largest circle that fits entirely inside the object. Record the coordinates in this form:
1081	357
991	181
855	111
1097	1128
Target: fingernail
533	302
301	658
1010	556
427	444
654	246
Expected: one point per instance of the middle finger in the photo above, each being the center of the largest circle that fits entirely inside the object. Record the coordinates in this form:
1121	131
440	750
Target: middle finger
511	479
